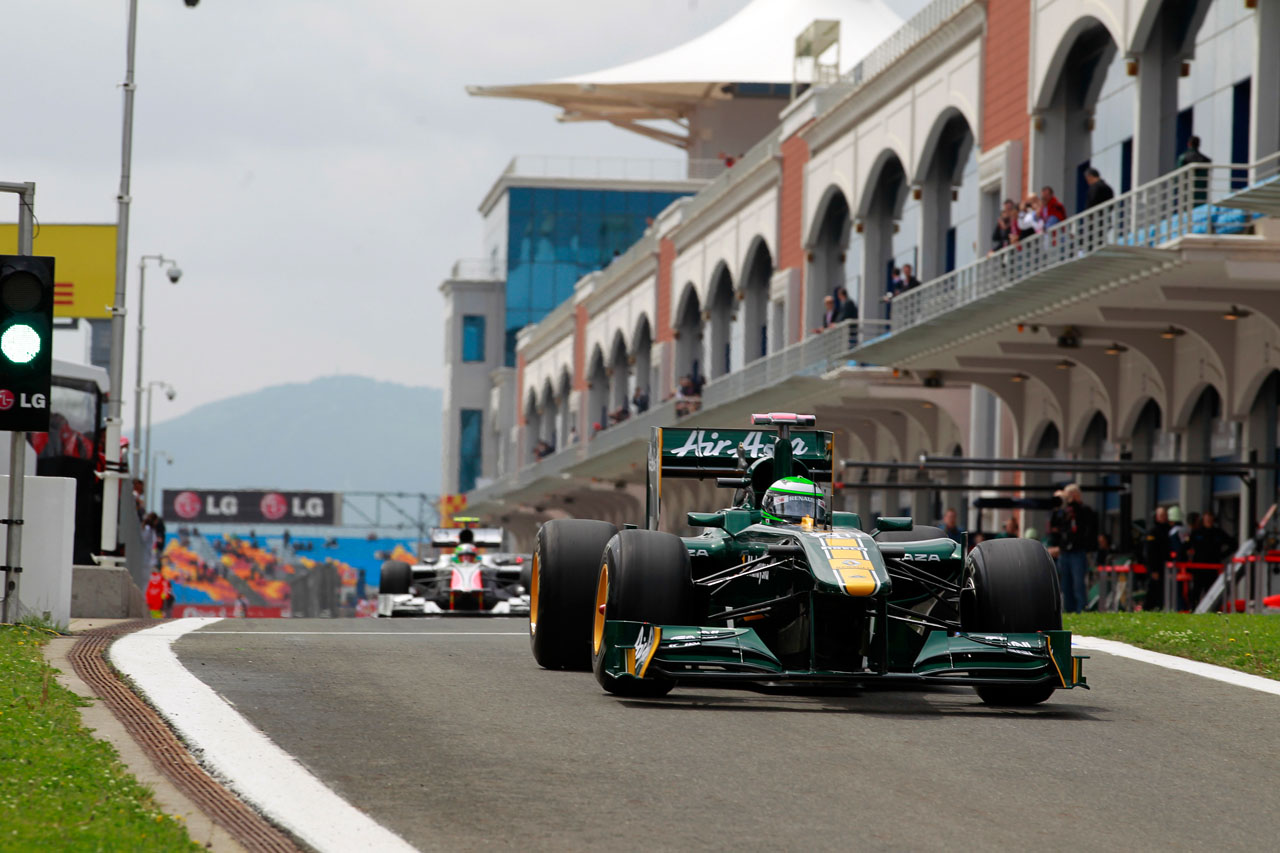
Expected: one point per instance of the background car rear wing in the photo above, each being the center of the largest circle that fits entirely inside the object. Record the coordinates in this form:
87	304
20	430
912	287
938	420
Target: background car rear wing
481	537
701	453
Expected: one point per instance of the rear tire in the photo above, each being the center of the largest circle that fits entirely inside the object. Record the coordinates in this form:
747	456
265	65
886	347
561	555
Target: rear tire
396	578
645	577
562	584
1015	591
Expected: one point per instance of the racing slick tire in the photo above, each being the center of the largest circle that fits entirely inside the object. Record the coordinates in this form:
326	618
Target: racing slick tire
1015	591
566	559
645	577
395	579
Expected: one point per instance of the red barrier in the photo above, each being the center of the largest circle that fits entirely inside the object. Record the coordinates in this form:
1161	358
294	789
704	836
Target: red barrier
227	611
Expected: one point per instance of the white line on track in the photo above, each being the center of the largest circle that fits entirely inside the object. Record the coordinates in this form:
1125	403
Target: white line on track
380	633
251	764
1195	667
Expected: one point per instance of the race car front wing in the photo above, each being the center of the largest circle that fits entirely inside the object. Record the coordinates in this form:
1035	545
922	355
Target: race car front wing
737	656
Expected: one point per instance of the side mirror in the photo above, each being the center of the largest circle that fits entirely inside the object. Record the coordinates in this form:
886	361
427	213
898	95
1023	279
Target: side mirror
705	519
895	522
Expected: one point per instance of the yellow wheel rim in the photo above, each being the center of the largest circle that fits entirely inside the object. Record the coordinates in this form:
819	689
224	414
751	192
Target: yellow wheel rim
602	596
533	596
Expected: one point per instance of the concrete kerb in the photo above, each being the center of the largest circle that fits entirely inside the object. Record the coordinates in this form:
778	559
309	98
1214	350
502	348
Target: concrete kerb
103	724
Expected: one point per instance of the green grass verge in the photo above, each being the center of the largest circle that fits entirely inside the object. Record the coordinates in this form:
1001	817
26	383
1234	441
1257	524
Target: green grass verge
1236	640
60	788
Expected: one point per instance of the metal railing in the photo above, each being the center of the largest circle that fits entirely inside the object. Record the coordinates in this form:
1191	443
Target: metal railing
813	356
612	168
1192	200
921	25
478	269
634	428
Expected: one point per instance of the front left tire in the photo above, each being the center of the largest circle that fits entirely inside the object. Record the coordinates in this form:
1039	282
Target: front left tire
1014	590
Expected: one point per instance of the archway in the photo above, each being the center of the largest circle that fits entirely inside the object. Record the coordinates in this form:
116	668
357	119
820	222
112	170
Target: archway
755	302
531	428
1262	440
827	256
597	393
567	431
642	350
720	303
1063	129
689	336
946	159
1146	489
1197	494
619	375
549	418
881	211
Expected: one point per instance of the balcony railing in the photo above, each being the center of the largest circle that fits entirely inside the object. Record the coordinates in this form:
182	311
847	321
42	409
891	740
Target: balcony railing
478	269
813	356
1195	199
917	28
613	168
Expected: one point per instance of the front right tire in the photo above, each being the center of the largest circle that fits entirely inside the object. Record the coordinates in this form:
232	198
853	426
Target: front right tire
562	586
645	577
1014	590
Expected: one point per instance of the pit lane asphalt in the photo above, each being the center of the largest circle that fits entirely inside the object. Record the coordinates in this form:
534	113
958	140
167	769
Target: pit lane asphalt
456	740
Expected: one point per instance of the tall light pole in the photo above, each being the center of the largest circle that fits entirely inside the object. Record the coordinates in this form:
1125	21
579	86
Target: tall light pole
146	476
153	474
174	273
111	485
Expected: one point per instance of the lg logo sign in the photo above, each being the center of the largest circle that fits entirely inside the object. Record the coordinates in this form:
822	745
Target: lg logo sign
8	400
252	506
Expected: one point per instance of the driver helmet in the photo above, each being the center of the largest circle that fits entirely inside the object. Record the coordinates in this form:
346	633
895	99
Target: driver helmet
790	499
464	553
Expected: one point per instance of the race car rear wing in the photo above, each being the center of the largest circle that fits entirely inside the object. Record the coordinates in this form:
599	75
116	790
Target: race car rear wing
729	454
451	537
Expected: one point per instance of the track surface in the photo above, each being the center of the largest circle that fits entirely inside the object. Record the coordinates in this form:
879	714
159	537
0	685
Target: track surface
455	739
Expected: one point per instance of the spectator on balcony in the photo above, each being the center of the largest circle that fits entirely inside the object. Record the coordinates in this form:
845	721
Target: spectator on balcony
848	309
1200	178
909	280
640	400
573	434
1051	209
619	415
1005	232
1029	222
1099	191
687	398
1193	154
829	313
895	283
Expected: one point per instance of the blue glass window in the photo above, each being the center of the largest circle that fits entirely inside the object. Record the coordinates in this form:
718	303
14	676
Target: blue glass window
473	337
470	447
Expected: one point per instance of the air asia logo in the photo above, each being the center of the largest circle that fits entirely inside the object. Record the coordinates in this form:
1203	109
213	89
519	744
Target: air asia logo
273	506
6	400
187	505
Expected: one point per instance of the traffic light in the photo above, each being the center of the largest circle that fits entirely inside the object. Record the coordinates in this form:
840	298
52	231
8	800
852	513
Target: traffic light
26	342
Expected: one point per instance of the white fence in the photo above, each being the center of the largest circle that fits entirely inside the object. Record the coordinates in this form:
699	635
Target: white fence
1192	200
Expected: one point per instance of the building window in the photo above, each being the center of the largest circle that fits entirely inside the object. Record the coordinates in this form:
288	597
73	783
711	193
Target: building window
469	448
473	337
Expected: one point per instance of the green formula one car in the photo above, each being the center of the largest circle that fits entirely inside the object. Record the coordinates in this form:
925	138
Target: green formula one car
778	590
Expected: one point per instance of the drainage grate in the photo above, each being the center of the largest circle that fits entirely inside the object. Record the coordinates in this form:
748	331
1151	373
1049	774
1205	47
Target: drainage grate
165	749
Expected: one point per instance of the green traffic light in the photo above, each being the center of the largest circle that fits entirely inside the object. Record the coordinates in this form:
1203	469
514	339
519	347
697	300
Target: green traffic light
20	343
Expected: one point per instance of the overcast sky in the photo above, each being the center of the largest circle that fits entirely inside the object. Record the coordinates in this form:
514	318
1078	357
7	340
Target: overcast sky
314	165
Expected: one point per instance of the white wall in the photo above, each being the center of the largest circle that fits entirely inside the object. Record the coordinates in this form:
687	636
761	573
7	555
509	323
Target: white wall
48	511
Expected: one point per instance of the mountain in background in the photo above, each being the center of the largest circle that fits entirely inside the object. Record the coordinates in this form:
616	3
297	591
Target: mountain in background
338	433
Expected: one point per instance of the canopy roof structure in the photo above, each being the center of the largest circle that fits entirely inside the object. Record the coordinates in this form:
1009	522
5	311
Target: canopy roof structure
752	54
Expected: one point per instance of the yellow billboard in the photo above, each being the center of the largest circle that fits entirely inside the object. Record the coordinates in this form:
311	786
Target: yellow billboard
84	267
